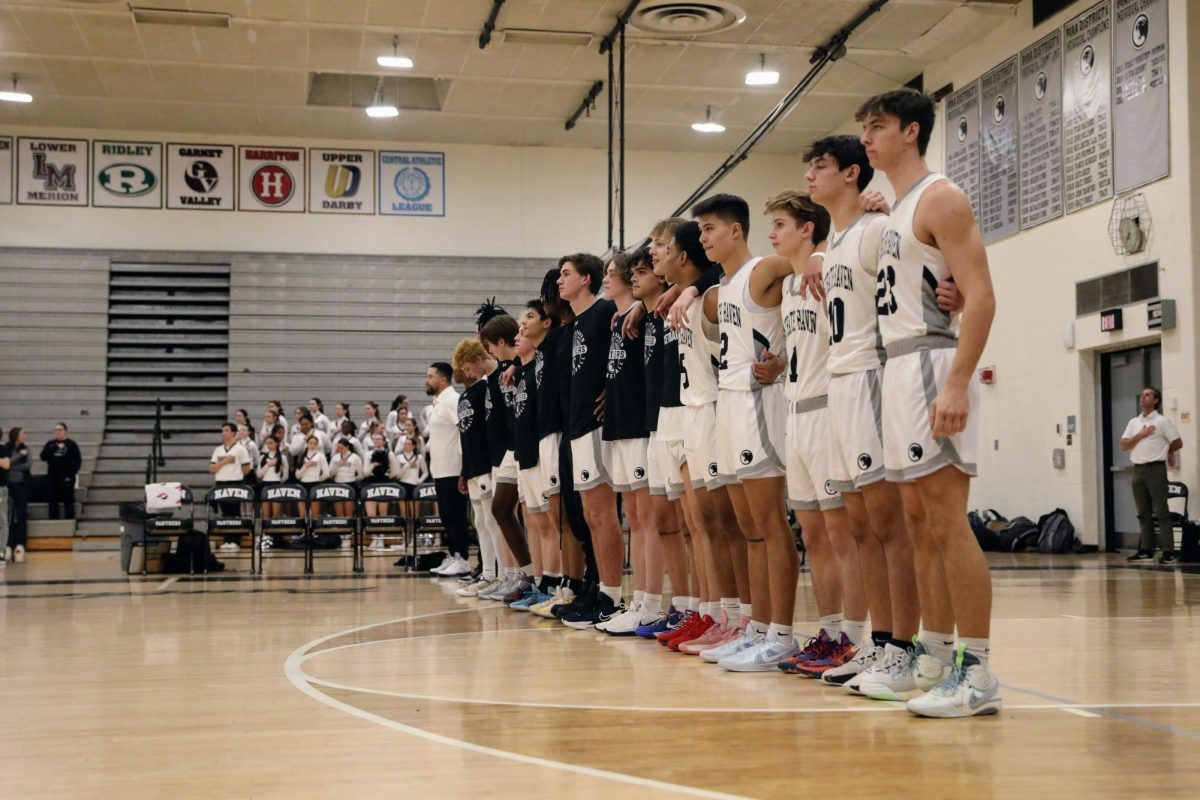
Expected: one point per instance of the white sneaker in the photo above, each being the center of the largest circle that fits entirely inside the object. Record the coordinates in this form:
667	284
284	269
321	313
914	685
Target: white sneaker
473	589
264	544
345	542
498	589
606	625
928	670
762	657
458	566
377	543
865	655
19	554
892	677
228	547
446	561
627	624
969	690
8	554
745	639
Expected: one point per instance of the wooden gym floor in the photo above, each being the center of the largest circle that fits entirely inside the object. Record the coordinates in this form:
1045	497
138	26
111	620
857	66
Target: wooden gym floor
388	685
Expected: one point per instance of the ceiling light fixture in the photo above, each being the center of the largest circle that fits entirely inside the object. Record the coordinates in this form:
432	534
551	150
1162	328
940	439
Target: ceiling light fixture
175	16
708	126
762	76
395	60
15	96
380	109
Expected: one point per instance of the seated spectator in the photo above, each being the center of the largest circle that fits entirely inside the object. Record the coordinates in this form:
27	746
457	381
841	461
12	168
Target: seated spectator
273	467
229	465
18	495
311	467
373	458
63	461
245	437
345	468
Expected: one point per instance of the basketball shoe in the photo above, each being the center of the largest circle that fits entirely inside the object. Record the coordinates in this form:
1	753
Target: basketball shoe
689	618
600	610
817	648
532	598
866	653
714	636
890	678
838	654
762	657
969	690
668	622
736	644
628	623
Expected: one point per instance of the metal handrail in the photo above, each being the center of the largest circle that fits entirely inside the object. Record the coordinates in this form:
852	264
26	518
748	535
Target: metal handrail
156	459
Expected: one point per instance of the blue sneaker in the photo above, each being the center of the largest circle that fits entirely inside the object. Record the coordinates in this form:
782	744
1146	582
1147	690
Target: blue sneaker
662	625
531	598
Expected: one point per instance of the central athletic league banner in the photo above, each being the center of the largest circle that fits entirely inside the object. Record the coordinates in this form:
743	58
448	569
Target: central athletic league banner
52	172
201	177
271	178
962	141
341	181
1087	108
127	174
412	183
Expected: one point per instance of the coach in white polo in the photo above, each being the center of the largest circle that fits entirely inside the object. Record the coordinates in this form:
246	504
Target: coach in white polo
1151	437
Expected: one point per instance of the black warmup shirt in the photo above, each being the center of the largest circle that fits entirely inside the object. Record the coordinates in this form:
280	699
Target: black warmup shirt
525	417
547	380
625	386
498	411
473	432
653	352
590	334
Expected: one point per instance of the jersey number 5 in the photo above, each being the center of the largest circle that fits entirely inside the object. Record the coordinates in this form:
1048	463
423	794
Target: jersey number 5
683	372
885	291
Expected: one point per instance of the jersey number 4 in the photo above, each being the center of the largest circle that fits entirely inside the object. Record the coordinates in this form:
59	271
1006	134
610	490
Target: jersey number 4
885	291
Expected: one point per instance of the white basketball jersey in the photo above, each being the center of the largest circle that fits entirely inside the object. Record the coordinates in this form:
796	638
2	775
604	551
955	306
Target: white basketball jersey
849	275
698	373
747	331
908	275
806	334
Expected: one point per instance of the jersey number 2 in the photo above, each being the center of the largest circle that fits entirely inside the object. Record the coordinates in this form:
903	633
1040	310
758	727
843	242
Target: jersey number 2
724	350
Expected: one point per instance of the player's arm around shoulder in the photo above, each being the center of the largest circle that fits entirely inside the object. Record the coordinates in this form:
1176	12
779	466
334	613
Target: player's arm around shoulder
766	281
710	305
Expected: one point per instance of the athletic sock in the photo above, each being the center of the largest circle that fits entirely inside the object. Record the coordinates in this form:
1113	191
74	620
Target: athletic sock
680	602
880	638
779	633
652	602
757	627
831	624
694	604
938	645
526	569
855	630
732	608
747	611
638	597
613	592
980	648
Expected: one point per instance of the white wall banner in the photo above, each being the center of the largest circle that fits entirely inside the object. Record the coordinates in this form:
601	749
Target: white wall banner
127	174
271	178
1040	145
52	172
962	141
999	214
412	183
341	181
201	176
1087	108
6	170
1140	104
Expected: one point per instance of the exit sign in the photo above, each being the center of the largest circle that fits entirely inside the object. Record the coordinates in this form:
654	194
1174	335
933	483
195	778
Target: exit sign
1111	320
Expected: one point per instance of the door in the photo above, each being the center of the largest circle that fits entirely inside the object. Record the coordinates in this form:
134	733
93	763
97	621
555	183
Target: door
1123	376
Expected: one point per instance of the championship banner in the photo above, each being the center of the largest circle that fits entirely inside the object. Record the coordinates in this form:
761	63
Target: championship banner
271	178
52	172
999	214
6	170
962	141
341	181
127	174
1040	144
201	176
412	183
1141	104
1087	108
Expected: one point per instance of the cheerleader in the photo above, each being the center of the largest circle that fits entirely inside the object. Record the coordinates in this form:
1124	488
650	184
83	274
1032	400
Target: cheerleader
241	417
300	438
346	468
316	410
341	413
396	417
273	467
366	429
368	439
346	433
412	471
381	467
311	468
410	430
270	420
245	437
298	413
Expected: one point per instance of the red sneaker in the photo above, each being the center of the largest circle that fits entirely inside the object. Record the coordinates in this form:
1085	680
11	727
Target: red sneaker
839	653
815	649
689	618
700	628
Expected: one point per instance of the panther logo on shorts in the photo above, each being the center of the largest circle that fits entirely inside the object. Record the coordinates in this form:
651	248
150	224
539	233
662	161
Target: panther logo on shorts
584	475
554	480
712	469
864	461
747	456
915	451
639	473
829	490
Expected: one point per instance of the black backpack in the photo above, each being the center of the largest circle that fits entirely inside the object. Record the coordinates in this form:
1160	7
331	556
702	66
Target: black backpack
191	554
1056	533
985	536
1020	535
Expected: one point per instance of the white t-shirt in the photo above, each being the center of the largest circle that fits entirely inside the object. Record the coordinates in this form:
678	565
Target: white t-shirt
445	453
230	472
1155	446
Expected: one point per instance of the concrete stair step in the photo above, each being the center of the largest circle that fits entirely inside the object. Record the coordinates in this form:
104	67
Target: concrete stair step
51	528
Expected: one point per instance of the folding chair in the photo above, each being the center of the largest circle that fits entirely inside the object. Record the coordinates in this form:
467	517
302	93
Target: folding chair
327	494
394	522
1176	490
291	523
164	526
427	522
241	524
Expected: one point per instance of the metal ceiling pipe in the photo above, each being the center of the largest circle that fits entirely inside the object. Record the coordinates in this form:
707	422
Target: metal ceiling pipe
485	35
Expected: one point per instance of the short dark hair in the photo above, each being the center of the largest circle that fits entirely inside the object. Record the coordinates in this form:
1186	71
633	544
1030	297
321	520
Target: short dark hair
588	266
687	239
1157	394
538	307
443	369
232	428
727	208
624	261
802	209
500	329
907	105
847	151
65	427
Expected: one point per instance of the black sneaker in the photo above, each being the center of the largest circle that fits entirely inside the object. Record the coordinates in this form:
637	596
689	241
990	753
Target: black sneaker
1141	555
562	610
1169	558
600	610
471	577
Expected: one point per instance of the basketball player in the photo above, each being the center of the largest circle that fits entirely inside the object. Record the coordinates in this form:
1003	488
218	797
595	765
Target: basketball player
579	280
930	394
750	418
797	225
